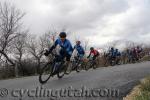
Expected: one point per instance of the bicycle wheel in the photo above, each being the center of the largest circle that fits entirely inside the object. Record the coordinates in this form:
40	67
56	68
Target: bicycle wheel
45	73
68	69
94	65
61	71
88	66
113	63
84	65
78	67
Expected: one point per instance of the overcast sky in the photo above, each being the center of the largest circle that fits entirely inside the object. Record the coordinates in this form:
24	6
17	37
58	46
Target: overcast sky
100	21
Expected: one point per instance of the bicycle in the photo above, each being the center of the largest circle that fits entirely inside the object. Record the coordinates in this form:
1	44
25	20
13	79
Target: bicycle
52	68
112	60
91	64
75	64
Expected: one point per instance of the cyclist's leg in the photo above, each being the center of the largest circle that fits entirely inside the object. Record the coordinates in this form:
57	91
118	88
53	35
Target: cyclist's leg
81	57
94	59
67	62
68	58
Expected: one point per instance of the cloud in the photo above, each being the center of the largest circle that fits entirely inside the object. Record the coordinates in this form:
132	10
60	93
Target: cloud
100	21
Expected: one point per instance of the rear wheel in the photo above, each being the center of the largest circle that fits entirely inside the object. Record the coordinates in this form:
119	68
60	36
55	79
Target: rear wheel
94	64
61	71
45	73
69	68
78	66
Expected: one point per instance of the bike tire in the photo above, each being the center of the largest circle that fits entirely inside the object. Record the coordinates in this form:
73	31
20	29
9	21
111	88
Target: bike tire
69	68
113	64
78	67
87	66
47	69
61	72
94	66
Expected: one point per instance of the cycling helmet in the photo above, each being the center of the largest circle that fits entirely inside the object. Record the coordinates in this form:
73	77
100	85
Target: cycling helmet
78	42
112	48
91	48
62	35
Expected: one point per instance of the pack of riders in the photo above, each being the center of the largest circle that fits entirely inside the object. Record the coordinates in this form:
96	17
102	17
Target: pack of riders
67	50
135	53
131	54
113	53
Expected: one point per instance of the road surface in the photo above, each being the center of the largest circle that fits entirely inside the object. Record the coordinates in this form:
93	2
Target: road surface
105	83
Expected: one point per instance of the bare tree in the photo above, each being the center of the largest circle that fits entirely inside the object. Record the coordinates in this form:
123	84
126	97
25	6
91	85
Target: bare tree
10	27
113	43
36	48
47	40
20	49
86	44
130	44
51	35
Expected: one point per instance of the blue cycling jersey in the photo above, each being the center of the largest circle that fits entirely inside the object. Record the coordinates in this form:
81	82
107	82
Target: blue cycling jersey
117	53
65	45
79	49
112	53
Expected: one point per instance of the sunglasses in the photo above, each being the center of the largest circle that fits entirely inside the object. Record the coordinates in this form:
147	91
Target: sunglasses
62	38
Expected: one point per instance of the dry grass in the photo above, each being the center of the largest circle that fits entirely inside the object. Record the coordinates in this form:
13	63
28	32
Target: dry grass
146	58
140	92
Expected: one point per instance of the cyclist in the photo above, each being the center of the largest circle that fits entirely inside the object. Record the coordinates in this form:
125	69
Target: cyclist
117	55
93	52
79	49
66	47
134	54
112	52
129	55
139	51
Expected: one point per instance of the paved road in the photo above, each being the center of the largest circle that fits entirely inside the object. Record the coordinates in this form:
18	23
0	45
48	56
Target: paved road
107	83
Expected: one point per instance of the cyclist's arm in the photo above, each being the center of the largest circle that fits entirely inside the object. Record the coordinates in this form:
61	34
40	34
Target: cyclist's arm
83	50
89	55
69	48
53	46
74	47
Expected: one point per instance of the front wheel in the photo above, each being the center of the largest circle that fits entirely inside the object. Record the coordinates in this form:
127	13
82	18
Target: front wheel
88	66
112	63
45	73
77	66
